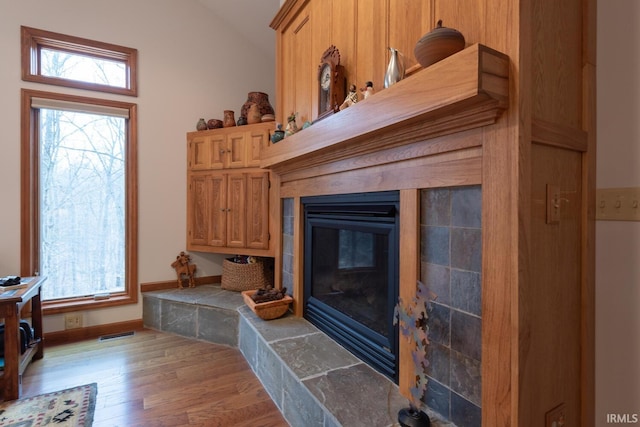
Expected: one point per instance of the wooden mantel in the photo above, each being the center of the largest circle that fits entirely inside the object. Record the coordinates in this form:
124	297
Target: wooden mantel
464	91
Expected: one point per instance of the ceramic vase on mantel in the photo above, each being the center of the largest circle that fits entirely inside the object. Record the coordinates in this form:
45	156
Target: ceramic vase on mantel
259	98
395	69
438	44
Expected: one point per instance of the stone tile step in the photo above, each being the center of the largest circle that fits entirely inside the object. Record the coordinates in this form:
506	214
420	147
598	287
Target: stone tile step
313	380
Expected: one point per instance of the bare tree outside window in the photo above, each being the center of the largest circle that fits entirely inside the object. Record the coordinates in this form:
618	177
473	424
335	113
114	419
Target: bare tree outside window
83	68
82	203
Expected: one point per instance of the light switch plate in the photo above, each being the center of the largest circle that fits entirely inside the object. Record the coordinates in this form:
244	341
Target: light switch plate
618	204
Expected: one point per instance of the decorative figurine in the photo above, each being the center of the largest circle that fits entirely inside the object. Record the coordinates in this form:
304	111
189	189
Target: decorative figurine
367	91
183	267
352	97
292	127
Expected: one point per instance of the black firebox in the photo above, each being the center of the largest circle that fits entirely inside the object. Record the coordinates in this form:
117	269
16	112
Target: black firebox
351	273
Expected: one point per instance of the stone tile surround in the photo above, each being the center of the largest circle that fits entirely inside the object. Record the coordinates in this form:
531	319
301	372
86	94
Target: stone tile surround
451	258
313	380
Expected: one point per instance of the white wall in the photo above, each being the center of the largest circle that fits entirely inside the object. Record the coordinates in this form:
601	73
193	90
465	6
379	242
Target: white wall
618	243
191	65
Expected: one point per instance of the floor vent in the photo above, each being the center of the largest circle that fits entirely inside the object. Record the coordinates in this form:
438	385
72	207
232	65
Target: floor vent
114	336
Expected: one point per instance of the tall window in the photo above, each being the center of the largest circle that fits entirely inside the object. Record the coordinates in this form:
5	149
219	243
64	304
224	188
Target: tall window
79	182
79	165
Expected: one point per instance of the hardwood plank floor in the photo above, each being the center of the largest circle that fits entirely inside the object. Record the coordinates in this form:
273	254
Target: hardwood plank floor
157	379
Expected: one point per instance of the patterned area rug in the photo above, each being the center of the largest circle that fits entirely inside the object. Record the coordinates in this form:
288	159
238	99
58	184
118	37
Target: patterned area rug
72	407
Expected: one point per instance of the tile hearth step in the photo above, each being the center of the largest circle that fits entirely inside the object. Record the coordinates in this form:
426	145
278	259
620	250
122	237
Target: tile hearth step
312	379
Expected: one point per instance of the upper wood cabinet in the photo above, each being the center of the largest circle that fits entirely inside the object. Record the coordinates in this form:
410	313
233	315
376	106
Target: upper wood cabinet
362	30
232	147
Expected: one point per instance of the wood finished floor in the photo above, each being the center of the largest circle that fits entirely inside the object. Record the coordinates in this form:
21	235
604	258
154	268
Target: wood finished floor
158	379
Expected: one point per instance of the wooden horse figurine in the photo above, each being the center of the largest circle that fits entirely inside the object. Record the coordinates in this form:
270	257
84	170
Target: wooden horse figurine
183	267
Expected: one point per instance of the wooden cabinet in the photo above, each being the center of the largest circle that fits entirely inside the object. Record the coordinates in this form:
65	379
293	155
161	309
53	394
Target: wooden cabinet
233	147
228	210
228	196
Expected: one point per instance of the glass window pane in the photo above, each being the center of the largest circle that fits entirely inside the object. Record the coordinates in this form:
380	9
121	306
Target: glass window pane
82	203
73	66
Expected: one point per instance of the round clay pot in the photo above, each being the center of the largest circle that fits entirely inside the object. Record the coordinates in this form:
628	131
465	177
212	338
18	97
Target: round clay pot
201	125
260	98
214	123
437	44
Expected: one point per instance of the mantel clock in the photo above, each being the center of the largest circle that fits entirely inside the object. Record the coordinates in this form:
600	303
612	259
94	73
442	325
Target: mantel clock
331	83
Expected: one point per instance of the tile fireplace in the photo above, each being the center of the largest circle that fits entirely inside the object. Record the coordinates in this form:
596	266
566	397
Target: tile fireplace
431	150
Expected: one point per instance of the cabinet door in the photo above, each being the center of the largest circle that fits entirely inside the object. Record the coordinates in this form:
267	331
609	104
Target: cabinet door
217	151
258	210
207	152
235	154
236	210
217	193
256	141
199	153
198	210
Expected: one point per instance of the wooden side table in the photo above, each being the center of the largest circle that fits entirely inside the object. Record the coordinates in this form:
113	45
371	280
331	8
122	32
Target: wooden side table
11	304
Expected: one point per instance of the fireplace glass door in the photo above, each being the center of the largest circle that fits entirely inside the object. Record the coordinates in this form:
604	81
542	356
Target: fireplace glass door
351	273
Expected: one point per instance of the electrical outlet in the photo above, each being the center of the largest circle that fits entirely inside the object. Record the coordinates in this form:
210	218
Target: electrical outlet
73	320
557	417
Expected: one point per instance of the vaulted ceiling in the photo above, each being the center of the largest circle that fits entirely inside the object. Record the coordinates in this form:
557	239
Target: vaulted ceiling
251	19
